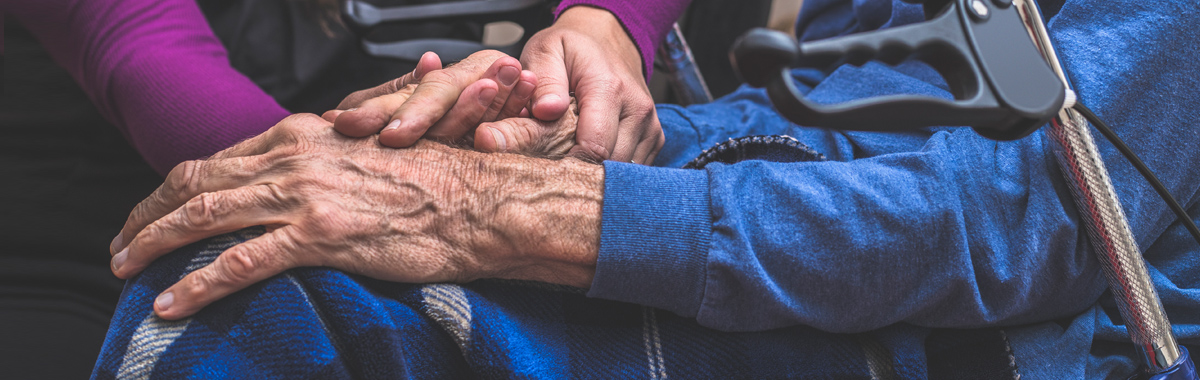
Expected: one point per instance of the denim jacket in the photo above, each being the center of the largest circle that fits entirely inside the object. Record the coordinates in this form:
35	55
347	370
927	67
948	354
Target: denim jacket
937	228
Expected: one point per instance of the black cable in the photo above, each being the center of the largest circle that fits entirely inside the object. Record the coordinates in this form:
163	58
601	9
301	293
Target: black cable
1141	167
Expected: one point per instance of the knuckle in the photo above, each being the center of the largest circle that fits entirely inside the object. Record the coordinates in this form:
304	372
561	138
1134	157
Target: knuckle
605	85
291	156
405	92
312	121
375	111
446	86
289	123
439	79
539	45
519	136
240	265
650	130
643	106
201	211
388	104
201	284
506	60
485	57
142	213
150	236
553	80
184	178
304	119
294	249
276	197
489	53
353	99
301	124
430	96
396	84
594	150
326	219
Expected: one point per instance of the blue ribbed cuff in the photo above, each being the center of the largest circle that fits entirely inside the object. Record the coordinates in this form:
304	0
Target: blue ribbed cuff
654	238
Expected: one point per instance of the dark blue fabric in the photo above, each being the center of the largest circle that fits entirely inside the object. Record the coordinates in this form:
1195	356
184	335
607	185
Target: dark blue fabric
314	323
940	227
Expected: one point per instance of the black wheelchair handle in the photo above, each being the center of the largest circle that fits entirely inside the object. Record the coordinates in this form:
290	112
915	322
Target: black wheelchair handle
363	14
1002	86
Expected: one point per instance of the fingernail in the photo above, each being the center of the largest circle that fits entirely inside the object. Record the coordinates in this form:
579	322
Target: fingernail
119	259
501	145
548	98
486	96
164	300
392	125
508	75
117	242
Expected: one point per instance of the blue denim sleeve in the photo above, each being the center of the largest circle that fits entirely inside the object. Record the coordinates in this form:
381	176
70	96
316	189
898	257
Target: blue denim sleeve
656	226
940	228
963	232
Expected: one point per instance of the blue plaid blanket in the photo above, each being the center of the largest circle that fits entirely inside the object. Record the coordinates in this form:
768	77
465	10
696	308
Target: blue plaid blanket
319	323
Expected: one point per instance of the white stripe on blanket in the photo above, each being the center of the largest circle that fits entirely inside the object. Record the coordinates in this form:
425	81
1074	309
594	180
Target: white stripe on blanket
650	337
447	304
153	334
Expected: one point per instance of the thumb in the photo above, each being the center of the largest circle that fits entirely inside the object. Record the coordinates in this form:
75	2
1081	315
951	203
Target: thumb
544	56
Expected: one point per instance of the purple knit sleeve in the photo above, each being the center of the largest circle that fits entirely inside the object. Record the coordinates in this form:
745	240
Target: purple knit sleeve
646	22
155	69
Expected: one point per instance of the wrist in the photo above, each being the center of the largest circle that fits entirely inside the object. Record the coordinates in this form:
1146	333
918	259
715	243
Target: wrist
546	216
604	26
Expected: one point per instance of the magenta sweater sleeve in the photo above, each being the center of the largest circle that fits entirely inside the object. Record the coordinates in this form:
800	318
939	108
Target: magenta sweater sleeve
646	22
153	68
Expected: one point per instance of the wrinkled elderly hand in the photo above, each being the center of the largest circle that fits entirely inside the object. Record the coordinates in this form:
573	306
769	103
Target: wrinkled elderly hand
586	53
430	213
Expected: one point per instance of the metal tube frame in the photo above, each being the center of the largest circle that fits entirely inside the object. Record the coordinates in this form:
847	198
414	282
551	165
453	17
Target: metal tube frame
686	81
1105	221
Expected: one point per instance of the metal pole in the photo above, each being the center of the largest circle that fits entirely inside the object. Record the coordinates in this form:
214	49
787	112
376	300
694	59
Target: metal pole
686	80
1113	241
1101	213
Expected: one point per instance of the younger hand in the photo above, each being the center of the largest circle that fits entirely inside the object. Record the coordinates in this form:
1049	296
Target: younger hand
587	53
446	104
